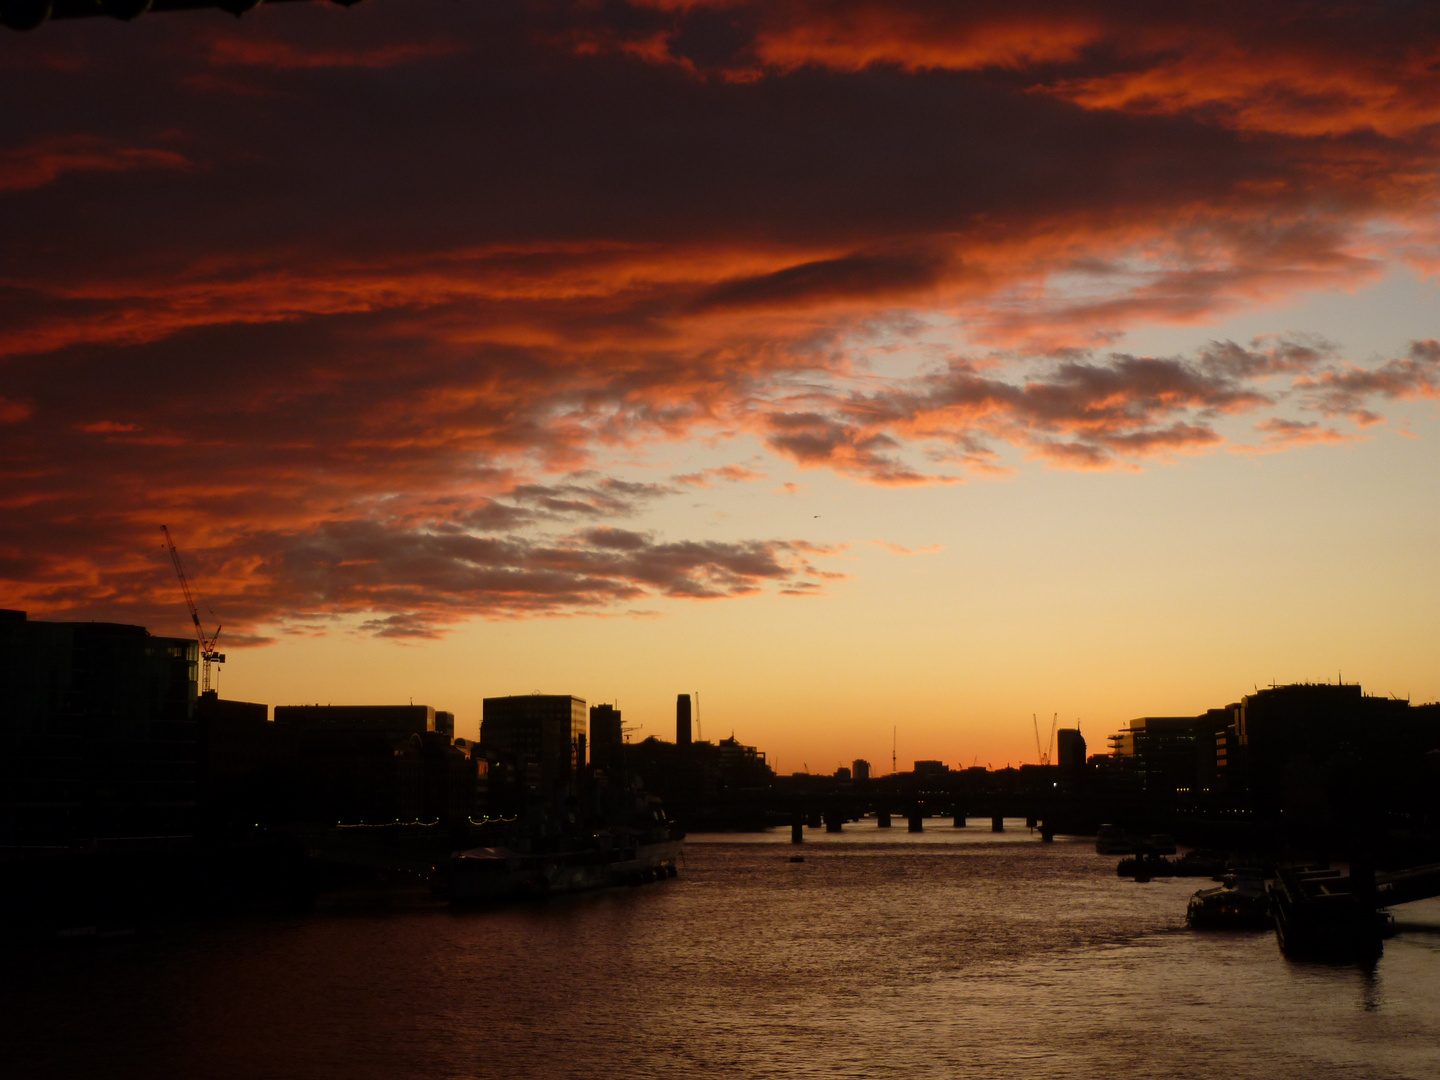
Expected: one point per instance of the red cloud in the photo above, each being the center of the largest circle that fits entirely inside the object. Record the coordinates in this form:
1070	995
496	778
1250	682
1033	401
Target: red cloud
377	359
24	168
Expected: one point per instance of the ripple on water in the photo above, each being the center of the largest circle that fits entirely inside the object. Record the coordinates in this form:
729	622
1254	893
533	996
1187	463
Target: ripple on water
959	955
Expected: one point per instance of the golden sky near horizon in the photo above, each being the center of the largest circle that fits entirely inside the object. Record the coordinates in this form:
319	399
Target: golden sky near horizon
859	366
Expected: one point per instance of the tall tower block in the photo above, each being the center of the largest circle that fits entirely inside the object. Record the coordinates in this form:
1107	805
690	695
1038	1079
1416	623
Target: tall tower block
682	720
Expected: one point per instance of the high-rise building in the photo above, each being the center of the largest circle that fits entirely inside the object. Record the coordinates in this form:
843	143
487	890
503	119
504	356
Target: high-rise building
607	738
546	731
860	770
682	720
1070	752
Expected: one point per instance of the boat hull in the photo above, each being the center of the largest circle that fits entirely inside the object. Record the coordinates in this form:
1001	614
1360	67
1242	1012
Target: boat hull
493	875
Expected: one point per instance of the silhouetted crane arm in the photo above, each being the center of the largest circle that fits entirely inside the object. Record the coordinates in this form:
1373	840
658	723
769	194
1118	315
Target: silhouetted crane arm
208	653
184	585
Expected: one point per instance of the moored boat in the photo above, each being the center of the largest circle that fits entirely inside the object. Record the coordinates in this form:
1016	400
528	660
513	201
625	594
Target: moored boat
1114	840
613	857
1241	903
1319	916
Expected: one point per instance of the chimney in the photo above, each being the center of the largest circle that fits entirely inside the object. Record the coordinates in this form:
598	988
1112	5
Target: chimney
682	720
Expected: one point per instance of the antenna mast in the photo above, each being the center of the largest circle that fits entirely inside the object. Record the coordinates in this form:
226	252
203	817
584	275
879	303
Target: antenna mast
208	654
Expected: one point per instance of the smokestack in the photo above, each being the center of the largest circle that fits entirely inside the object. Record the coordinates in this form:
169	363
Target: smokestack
682	720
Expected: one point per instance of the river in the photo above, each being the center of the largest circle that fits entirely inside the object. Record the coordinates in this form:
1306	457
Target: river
952	953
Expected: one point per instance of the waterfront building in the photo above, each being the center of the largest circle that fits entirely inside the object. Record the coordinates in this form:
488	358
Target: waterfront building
366	764
860	770
543	735
1159	752
97	731
1323	755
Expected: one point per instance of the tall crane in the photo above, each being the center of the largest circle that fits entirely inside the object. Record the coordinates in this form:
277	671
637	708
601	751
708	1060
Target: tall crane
208	653
1044	755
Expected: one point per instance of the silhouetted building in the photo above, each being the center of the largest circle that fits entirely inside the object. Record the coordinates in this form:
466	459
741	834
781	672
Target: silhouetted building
1160	753
542	735
1216	749
245	764
842	773
97	731
352	764
445	724
393	719
682	720
860	770
1322	754
1070	753
930	770
705	784
607	738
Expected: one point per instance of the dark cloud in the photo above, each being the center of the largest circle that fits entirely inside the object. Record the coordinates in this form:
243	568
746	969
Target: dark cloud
366	303
1348	389
859	275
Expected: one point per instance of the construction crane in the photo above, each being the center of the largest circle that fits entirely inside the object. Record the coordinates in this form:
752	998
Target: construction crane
208	654
1044	755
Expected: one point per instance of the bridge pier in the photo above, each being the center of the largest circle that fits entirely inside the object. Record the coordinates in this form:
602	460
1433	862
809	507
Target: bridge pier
812	819
1031	821
917	821
834	821
882	819
959	819
797	828
997	823
1047	832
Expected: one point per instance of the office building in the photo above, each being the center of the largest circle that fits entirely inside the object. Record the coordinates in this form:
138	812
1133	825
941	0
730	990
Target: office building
542	735
1070	752
607	738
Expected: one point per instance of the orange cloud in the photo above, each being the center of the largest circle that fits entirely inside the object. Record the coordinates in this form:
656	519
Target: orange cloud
897	549
378	365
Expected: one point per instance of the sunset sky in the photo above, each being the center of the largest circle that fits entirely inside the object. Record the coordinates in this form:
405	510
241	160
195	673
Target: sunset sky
856	365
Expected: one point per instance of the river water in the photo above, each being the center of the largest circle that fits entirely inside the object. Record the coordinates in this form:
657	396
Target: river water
952	953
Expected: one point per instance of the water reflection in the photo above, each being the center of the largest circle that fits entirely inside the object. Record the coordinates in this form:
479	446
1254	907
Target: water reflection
980	957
